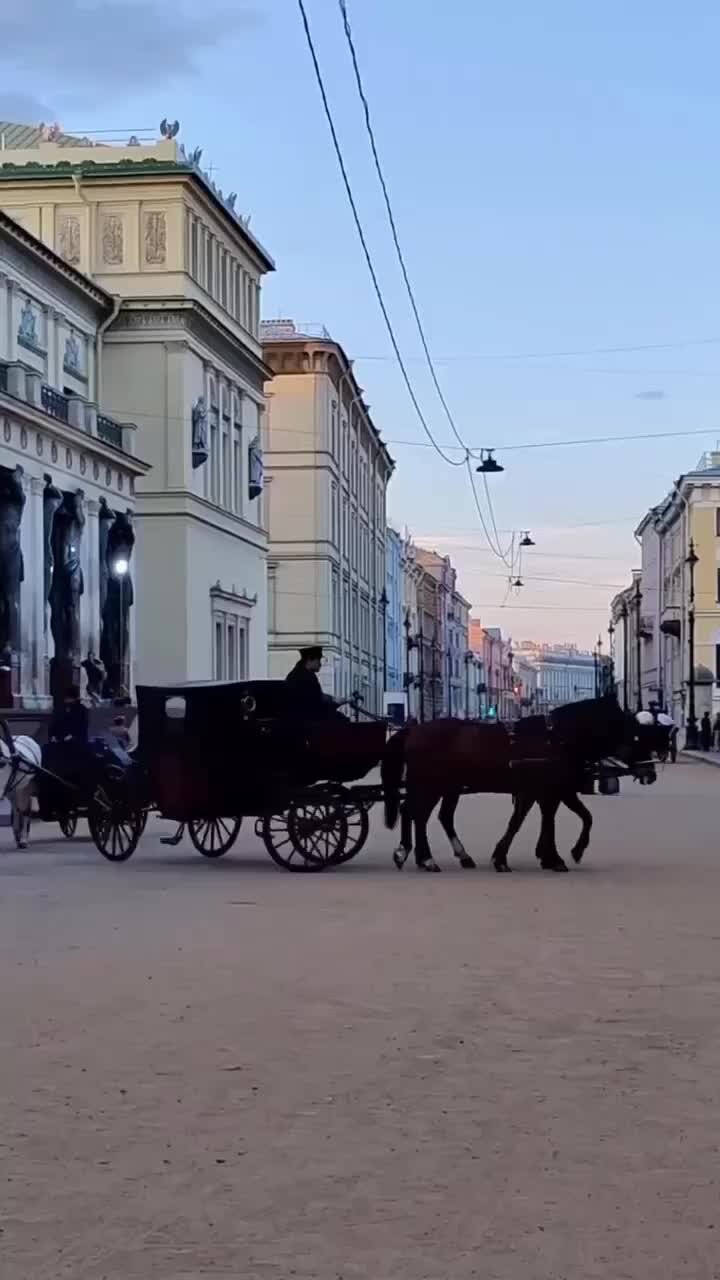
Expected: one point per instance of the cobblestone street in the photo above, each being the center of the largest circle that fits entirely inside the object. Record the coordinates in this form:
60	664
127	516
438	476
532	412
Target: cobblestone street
221	1070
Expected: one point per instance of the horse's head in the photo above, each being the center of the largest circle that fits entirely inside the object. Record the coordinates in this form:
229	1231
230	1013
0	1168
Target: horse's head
599	728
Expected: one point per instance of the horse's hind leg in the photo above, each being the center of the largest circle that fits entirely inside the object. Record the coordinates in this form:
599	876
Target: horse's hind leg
522	804
575	805
446	816
404	849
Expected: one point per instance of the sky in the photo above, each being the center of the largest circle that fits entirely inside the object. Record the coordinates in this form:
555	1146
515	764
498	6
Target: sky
553	170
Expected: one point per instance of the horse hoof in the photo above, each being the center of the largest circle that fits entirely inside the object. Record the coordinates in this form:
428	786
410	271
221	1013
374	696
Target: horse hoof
553	864
22	844
429	864
577	854
501	866
399	858
467	863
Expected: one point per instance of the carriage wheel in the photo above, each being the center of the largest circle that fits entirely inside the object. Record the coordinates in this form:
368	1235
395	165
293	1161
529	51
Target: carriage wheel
68	824
309	837
213	837
358	823
319	832
115	828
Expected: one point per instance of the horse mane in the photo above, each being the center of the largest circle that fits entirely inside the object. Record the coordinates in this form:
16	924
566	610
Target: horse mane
594	725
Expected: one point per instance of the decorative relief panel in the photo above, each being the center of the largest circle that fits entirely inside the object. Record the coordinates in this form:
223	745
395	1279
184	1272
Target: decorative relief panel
68	238
113	240
155	239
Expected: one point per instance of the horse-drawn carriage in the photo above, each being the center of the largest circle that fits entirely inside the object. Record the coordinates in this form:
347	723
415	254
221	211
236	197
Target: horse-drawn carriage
210	755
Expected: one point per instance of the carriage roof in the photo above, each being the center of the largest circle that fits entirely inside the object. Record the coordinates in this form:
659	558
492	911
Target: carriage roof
204	709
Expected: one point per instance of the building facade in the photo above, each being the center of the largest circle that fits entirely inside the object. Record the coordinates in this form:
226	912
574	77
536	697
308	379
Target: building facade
563	677
327	483
394	611
180	356
67	484
688	518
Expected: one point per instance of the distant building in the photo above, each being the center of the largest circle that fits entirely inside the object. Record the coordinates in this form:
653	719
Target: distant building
563	678
690	513
394	610
328	475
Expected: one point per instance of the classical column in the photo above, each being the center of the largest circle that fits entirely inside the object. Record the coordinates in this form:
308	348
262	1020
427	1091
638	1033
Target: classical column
34	675
90	608
11	320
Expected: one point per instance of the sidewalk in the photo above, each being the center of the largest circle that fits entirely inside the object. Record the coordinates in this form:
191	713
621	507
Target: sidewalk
702	757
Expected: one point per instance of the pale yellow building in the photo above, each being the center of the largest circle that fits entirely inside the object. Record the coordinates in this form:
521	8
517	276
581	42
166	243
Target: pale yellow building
328	476
180	356
689	514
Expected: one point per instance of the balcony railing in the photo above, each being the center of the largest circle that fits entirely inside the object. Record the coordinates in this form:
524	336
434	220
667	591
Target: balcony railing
109	431
54	402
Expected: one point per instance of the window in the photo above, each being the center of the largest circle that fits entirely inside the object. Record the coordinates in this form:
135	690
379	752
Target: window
334	531
717	663
344	447
335	604
718	587
209	272
717	522
225	472
237	470
222	269
345	530
194	248
333	429
230	656
238	292
219	672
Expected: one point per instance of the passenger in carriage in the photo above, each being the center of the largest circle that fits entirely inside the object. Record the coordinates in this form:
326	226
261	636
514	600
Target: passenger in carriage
69	721
310	701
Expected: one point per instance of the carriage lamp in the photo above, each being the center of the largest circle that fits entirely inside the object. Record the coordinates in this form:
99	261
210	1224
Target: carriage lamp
121	567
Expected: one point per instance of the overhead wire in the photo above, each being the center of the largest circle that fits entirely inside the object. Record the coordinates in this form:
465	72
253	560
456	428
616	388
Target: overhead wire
403	266
361	235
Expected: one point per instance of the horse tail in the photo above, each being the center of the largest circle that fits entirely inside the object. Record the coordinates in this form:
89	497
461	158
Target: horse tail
391	772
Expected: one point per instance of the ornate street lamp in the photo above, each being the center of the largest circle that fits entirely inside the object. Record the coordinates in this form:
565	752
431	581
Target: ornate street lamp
383	603
691	729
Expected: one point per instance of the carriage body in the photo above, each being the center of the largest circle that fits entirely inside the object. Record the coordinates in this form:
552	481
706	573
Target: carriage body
222	750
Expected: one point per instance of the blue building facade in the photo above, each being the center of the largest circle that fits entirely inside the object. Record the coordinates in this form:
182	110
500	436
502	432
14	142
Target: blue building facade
394	635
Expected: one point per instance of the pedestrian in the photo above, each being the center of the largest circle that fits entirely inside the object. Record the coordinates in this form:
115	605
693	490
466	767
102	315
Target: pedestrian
716	731
70	720
706	732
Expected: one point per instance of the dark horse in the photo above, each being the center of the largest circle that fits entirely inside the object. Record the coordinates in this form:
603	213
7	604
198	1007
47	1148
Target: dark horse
542	761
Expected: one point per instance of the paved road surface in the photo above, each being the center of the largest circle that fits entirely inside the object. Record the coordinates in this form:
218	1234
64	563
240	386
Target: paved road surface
221	1070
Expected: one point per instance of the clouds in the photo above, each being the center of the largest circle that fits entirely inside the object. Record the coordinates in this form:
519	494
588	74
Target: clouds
649	395
89	49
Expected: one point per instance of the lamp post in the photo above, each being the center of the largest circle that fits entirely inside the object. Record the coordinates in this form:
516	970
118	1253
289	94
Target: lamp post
625	615
434	675
469	657
383	602
409	646
638	643
691	730
421	669
611	663
120	567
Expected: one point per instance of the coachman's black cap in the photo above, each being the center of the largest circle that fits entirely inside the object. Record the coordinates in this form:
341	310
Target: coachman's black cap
310	654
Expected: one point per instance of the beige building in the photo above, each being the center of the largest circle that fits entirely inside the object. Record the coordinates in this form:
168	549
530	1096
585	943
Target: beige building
180	356
689	514
67	480
328	476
